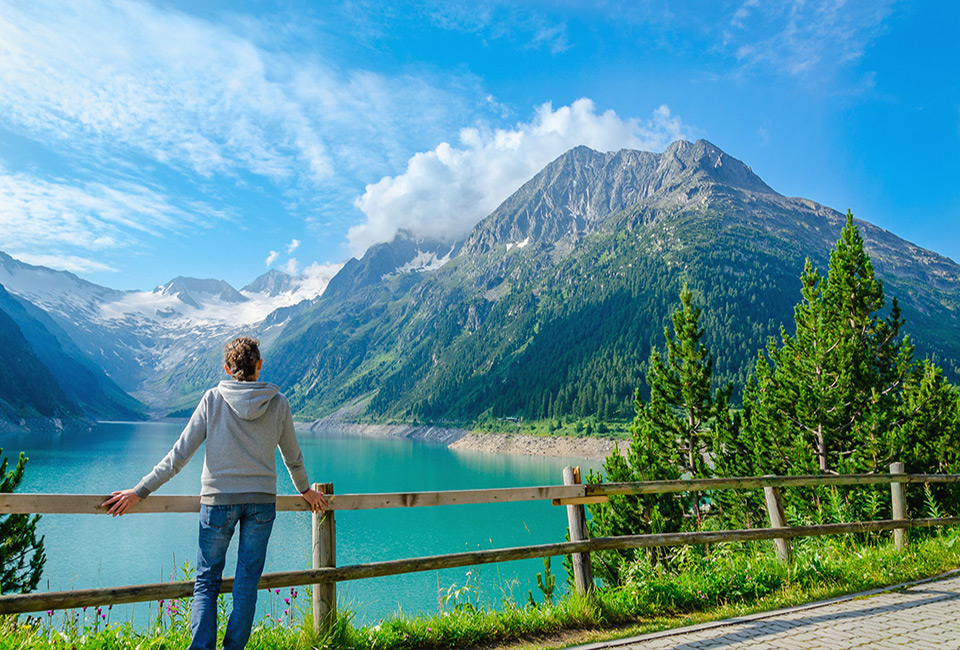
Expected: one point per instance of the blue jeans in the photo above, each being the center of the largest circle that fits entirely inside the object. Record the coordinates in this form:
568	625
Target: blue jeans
217	524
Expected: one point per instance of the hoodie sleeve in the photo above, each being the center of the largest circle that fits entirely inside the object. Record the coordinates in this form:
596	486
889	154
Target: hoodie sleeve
183	449
290	451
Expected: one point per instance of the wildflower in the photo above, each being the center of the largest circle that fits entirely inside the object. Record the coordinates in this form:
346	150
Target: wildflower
49	612
286	600
284	613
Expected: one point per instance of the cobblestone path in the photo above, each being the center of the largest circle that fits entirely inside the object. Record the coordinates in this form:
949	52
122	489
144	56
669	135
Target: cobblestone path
924	616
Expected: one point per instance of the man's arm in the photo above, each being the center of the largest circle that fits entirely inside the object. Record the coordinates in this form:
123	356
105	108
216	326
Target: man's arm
293	459
183	450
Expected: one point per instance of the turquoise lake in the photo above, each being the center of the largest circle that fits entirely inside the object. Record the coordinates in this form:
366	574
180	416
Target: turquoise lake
85	551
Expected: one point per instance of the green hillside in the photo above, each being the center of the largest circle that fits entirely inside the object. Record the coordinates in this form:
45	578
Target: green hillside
563	325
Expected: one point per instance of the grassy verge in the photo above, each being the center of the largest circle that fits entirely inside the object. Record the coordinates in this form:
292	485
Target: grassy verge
589	427
729	580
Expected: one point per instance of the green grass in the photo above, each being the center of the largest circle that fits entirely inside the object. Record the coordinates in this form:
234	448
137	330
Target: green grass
568	427
729	580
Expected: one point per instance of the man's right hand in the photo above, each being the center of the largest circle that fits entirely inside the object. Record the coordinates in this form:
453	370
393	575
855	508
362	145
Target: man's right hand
120	502
317	501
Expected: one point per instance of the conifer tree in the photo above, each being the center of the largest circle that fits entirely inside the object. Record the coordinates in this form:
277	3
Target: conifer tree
681	400
21	552
826	399
669	437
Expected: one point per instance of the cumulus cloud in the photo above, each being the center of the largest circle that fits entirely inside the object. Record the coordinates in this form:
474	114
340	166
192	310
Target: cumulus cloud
314	280
291	266
60	218
443	193
272	257
293	245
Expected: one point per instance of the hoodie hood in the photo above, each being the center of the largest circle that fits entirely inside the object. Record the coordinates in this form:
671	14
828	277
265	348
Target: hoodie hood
248	399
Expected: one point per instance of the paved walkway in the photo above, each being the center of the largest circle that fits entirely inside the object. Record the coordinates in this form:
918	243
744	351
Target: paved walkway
922	616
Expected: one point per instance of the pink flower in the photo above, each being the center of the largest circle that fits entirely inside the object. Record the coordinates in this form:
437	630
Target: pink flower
49	612
286	600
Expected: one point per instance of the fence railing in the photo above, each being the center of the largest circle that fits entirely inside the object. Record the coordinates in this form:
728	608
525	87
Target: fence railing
324	573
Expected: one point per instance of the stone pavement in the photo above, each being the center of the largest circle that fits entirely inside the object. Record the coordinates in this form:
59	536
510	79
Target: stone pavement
925	615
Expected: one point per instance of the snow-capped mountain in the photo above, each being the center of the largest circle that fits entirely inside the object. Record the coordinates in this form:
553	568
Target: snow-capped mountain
155	343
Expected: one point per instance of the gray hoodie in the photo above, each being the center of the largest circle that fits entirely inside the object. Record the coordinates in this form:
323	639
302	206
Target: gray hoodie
243	422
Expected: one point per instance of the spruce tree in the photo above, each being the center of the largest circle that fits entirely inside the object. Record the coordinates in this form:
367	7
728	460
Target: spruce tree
21	552
681	400
669	437
826	399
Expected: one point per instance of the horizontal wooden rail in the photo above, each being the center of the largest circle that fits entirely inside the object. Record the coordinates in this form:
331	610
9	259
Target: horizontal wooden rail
90	503
756	482
20	603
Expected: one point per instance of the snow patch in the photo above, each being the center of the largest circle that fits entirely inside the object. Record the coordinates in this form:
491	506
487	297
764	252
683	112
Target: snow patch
423	262
525	242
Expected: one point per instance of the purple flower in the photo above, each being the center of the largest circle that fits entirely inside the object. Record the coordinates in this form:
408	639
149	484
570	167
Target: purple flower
49	612
286	600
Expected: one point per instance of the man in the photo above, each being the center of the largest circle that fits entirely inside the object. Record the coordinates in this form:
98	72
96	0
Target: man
242	420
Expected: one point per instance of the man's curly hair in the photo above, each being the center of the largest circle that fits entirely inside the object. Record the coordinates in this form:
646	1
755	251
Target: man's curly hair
240	356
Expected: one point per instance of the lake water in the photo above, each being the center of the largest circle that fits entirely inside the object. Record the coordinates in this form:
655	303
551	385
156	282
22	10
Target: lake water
85	551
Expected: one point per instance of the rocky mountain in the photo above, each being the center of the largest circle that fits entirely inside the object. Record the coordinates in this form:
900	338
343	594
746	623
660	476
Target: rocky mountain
406	253
195	292
272	283
553	302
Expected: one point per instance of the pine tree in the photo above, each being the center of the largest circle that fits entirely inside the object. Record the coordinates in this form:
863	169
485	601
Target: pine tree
21	553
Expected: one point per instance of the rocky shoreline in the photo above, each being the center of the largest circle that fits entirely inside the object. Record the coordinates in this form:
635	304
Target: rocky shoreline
466	440
42	425
505	443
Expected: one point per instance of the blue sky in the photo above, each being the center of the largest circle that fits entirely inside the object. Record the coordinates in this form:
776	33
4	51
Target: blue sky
144	140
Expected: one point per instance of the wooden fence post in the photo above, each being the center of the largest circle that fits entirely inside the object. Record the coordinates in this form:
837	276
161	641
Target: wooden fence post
899	502
324	555
577	523
777	520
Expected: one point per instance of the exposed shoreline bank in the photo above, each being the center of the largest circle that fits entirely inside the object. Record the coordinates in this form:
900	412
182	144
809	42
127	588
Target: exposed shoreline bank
467	440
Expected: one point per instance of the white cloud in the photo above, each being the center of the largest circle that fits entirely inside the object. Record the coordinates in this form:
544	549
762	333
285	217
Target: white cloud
291	266
63	219
293	245
272	257
314	281
445	192
804	37
204	98
64	262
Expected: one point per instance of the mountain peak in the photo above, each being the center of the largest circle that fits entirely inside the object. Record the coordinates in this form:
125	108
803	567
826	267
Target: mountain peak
581	188
272	283
194	291
705	159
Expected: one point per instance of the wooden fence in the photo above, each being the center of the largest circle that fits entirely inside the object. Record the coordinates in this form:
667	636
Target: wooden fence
324	573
